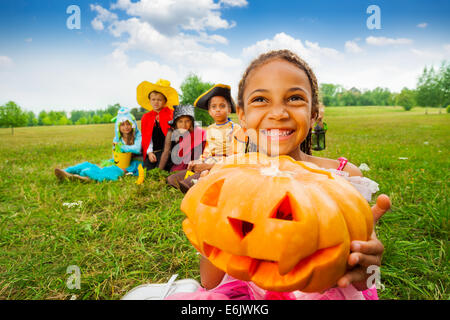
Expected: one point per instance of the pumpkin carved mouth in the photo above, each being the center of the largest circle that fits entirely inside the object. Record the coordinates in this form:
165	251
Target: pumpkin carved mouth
257	270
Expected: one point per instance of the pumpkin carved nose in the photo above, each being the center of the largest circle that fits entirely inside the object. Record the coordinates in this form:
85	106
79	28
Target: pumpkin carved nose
241	227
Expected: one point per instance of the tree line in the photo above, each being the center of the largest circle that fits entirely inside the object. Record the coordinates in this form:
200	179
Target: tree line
432	90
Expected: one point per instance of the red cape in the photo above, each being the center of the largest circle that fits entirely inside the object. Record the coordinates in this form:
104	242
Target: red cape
147	123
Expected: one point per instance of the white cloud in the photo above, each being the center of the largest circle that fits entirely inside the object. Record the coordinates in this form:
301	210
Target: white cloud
447	48
6	62
103	16
192	44
235	3
310	51
422	25
170	17
182	51
428	54
28	40
383	41
390	68
352	47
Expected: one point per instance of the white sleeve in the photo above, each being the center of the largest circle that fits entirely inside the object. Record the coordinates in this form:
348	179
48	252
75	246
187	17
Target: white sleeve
150	147
364	185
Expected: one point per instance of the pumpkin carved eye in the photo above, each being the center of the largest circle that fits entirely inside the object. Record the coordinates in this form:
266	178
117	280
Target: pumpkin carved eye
241	227
284	210
211	196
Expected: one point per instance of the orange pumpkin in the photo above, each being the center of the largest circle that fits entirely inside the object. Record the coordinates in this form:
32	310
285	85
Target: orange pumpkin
283	224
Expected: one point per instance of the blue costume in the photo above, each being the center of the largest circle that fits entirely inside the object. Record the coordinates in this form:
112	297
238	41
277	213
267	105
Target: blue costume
110	171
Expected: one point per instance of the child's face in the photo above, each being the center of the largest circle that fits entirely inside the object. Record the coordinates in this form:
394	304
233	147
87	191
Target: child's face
158	101
125	127
277	106
218	109
184	123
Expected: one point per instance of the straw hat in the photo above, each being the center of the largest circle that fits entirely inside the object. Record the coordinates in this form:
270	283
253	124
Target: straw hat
222	90
163	86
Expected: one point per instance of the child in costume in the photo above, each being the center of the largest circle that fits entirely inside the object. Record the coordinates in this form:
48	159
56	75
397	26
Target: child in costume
159	99
184	141
277	105
224	137
127	138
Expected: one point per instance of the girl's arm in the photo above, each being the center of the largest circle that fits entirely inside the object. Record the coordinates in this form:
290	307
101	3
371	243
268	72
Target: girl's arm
166	153
210	275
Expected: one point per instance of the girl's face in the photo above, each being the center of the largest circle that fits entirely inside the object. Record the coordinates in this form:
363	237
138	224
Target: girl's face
218	109
277	108
184	123
157	100
125	128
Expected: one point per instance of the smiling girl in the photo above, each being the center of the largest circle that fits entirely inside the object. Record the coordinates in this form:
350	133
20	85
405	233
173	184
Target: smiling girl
278	103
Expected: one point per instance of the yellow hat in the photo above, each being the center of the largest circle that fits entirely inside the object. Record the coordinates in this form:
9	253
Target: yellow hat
162	86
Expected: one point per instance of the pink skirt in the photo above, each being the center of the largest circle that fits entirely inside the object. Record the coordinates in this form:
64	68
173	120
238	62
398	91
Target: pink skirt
233	289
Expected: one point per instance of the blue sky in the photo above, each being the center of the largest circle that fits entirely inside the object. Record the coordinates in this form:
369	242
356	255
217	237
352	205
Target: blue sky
123	42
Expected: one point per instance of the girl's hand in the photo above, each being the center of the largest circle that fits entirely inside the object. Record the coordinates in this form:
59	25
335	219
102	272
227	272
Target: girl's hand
200	167
365	253
204	173
152	157
192	164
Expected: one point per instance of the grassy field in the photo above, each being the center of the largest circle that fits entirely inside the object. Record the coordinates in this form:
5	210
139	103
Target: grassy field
122	235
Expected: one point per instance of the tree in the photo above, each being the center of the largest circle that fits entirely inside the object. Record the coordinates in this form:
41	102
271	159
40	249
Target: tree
106	118
444	83
82	120
113	109
191	88
11	115
406	99
328	94
428	88
63	121
32	120
41	117
96	119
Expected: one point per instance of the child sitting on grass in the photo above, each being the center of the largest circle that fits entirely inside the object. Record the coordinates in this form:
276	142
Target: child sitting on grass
127	138
223	138
184	141
159	99
277	105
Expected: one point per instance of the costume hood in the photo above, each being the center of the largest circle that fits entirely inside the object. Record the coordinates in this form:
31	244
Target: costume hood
123	115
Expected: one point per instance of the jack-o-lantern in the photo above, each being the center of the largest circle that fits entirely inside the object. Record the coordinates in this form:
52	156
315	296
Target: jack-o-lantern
283	224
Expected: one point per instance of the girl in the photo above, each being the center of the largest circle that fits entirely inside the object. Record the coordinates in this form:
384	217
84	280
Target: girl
127	137
277	106
184	141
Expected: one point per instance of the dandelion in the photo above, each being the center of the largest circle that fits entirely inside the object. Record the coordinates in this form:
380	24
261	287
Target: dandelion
364	167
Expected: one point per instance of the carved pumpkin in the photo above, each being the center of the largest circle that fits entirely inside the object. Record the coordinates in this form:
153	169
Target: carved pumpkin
283	224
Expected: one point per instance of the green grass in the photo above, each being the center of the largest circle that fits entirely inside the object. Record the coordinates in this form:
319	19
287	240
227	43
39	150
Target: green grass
123	235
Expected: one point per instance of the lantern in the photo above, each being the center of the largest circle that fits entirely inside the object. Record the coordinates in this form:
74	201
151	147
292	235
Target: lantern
318	138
